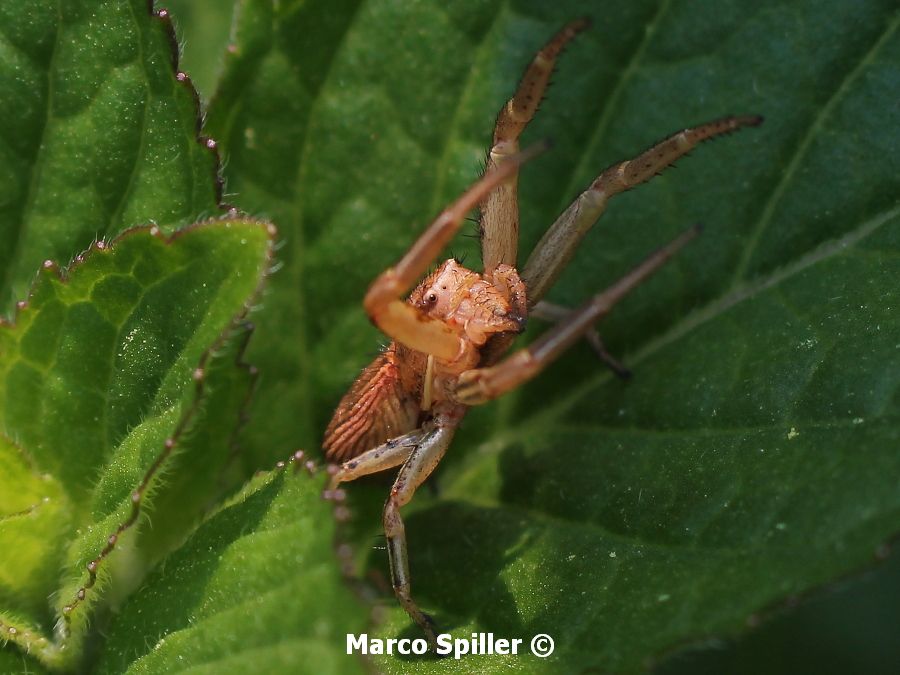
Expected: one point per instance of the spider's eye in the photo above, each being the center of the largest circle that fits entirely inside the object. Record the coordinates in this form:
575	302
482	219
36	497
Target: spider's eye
431	298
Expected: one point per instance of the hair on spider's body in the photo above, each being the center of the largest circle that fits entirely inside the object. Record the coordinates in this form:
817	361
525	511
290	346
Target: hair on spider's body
449	335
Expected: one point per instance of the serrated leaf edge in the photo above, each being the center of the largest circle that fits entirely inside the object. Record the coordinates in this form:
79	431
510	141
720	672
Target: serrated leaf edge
56	653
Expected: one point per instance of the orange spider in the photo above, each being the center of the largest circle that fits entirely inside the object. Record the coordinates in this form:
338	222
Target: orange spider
451	332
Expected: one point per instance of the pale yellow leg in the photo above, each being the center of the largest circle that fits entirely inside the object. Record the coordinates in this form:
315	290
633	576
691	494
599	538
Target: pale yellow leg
556	248
500	213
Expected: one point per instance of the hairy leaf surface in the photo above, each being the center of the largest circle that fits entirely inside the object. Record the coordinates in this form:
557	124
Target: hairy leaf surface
102	374
97	135
256	587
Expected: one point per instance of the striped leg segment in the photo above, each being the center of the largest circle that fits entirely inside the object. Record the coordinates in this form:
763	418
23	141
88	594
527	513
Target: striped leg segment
417	468
500	212
386	456
556	248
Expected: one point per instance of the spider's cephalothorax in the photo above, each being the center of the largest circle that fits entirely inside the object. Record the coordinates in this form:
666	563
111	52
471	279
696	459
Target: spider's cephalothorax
450	333
477	305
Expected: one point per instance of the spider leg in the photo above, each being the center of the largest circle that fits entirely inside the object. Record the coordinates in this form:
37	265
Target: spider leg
557	246
482	384
500	213
384	300
386	456
548	311
422	461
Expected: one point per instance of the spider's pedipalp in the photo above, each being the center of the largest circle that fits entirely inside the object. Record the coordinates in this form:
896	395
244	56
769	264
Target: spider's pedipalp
384	300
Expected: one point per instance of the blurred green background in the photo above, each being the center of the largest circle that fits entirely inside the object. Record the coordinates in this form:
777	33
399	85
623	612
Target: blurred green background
851	627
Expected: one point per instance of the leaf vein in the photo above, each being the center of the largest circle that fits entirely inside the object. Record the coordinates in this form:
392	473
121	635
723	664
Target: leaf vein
464	90
117	213
801	149
612	101
722	304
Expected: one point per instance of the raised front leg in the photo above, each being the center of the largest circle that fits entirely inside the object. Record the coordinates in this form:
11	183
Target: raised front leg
500	213
482	384
556	248
384	300
417	468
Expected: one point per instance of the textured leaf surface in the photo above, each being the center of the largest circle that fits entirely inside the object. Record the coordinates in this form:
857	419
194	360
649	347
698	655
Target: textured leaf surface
256	588
101	133
202	27
97	135
32	518
753	455
99	369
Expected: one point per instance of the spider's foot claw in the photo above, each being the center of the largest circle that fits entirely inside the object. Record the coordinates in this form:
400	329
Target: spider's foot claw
429	627
610	361
622	372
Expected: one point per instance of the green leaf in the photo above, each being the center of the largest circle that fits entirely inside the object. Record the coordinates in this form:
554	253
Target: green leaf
98	135
256	587
206	468
202	30
102	133
32	519
102	374
752	457
12	662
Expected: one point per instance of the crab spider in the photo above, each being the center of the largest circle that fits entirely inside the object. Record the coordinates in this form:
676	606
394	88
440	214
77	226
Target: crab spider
449	335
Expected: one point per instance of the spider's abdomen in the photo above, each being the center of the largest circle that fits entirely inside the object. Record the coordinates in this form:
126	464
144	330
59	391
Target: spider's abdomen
382	404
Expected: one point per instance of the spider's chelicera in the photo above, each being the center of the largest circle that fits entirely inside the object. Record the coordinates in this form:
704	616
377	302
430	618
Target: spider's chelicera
450	334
